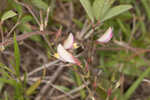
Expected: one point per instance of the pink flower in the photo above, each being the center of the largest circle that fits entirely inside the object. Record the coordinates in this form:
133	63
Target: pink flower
64	55
68	43
106	37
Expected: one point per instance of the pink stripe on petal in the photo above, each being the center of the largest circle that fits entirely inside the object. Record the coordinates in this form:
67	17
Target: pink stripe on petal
106	37
68	43
77	61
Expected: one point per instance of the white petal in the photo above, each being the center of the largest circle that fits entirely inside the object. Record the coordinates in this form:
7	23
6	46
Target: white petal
106	37
65	55
68	43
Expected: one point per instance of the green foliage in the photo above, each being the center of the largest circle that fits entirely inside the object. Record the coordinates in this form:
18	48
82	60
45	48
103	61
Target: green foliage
136	84
129	27
78	80
101	9
40	4
33	87
116	11
17	56
62	88
7	15
26	19
88	8
16	6
146	4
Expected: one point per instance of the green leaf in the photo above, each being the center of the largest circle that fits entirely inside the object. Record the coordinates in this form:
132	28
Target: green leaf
116	11
25	19
79	83
16	6
146	4
17	56
33	87
10	82
87	6
136	84
1	86
6	68
63	88
78	23
6	95
7	15
100	7
40	4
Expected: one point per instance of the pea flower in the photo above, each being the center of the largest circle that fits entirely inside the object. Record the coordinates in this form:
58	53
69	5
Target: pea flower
69	42
63	55
106	37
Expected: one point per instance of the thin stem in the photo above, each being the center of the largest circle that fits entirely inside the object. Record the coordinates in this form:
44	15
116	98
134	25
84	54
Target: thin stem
2	33
23	37
30	10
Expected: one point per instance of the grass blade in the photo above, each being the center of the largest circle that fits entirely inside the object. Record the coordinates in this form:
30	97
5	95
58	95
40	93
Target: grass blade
33	87
17	56
146	5
136	84
79	83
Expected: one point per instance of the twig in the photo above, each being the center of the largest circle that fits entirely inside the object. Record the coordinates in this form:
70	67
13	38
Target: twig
147	81
125	45
41	20
72	91
49	44
2	33
44	89
29	9
46	18
55	87
13	28
84	30
90	32
41	68
111	49
23	37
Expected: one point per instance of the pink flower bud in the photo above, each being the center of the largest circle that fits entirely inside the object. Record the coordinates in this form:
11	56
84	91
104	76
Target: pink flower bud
68	43
106	37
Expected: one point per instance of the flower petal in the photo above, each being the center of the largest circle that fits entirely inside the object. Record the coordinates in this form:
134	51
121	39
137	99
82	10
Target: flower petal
68	43
65	55
106	37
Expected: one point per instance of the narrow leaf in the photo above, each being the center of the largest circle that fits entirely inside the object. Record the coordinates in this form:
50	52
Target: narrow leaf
136	84
7	15
6	95
62	88
116	11
40	4
16	6
26	19
146	4
79	83
33	87
10	82
87	6
17	56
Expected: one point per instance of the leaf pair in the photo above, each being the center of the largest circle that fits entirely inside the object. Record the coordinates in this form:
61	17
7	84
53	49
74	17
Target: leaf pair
102	10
